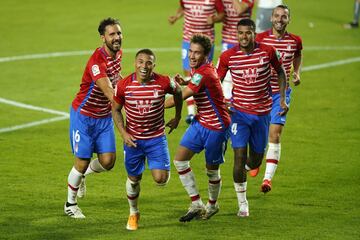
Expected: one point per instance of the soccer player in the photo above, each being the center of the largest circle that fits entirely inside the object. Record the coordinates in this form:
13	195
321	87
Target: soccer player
289	46
91	125
209	129
263	14
199	17
142	94
355	22
235	11
249	64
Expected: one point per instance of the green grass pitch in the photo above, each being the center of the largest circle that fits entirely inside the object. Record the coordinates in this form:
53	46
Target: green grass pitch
316	190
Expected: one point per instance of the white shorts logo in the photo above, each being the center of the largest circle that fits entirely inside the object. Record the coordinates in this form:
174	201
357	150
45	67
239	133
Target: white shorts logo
95	70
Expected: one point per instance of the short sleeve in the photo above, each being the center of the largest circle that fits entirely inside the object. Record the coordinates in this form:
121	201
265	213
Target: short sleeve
119	95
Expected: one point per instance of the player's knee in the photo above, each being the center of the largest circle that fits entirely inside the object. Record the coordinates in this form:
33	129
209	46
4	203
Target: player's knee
163	179
181	165
108	163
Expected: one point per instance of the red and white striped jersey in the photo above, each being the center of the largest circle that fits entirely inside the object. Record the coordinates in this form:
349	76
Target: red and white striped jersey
90	99
144	104
195	17
289	47
251	74
229	28
209	98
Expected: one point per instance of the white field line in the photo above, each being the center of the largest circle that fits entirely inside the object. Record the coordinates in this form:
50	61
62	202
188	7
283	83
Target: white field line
31	107
32	124
133	50
330	64
65	115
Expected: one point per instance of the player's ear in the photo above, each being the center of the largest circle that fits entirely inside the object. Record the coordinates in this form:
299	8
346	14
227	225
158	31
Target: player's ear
102	38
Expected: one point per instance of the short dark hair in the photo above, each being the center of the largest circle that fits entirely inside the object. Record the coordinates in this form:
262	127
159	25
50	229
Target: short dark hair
145	51
106	22
283	6
203	41
247	22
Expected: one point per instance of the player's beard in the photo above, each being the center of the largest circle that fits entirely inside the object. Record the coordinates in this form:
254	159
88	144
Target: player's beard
111	47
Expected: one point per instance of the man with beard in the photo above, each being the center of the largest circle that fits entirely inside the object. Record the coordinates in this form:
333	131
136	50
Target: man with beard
249	63
91	125
289	46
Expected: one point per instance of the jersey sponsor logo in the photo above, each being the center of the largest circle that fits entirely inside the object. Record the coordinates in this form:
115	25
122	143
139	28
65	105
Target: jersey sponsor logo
196	79
250	75
143	106
95	70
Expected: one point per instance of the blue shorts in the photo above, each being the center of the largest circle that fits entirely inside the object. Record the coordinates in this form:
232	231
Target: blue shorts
91	135
196	138
275	117
249	129
155	150
185	55
225	46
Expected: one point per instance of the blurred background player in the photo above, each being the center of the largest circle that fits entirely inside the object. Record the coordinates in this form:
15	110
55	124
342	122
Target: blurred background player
263	14
235	10
249	63
91	125
208	130
142	94
355	22
289	46
199	17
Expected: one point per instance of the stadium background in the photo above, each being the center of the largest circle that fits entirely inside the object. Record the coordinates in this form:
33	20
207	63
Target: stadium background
315	191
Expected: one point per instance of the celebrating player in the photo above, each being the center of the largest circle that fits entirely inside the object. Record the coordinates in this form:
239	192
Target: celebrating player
209	129
91	125
249	64
142	94
289	46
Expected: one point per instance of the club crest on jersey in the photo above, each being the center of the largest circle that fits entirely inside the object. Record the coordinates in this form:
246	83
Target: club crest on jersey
289	47
196	79
261	60
95	70
250	75
156	93
143	106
